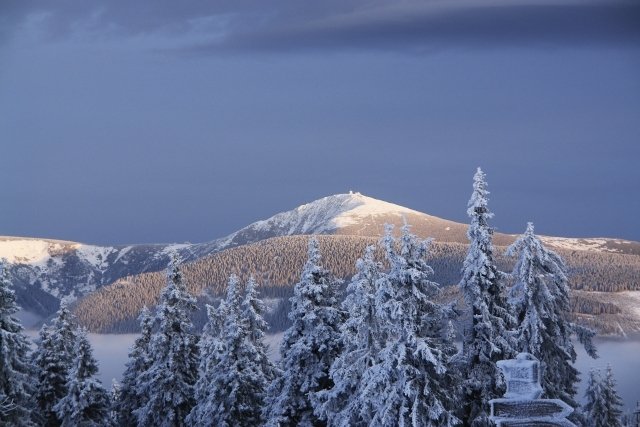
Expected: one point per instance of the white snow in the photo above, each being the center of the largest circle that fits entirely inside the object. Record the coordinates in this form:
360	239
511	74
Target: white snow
94	255
122	253
576	244
368	207
27	251
522	377
175	247
521	403
633	301
323	216
38	252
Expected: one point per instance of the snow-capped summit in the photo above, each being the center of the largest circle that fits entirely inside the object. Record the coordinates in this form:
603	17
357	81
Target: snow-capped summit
351	213
366	207
329	214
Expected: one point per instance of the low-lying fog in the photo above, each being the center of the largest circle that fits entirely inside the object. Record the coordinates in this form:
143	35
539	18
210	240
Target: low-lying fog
624	356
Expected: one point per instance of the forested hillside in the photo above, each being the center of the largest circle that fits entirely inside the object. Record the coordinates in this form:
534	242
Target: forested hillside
44	272
276	264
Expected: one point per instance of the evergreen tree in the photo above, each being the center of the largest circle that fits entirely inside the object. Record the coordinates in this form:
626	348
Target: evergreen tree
412	383
168	382
86	402
211	346
115	395
594	407
16	386
541	301
53	359
488	338
309	347
612	401
343	405
252	311
239	380
130	399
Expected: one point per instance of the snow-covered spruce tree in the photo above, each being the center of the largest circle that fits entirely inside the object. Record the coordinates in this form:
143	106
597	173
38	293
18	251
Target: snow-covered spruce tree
129	398
87	402
210	346
343	404
612	401
114	396
252	311
412	382
16	384
243	372
168	382
488	338
50	376
594	408
53	359
540	298
308	348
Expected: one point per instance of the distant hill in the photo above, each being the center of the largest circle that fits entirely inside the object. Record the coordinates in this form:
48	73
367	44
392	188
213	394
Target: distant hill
46	271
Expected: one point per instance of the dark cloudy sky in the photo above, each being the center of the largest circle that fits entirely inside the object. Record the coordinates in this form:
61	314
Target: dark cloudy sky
157	121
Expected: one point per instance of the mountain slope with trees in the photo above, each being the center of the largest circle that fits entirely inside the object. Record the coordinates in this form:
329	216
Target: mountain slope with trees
44	271
596	278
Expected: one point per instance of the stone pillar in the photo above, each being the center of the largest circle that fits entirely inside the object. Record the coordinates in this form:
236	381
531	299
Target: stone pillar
521	405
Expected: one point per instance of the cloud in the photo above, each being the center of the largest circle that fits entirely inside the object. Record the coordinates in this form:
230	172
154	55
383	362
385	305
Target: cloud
418	28
291	25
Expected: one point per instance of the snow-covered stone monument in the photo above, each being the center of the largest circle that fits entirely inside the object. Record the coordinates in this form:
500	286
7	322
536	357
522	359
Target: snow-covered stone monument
521	406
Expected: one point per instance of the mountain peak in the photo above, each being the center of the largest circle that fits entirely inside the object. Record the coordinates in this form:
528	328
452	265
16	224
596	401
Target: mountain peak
356	206
334	212
327	215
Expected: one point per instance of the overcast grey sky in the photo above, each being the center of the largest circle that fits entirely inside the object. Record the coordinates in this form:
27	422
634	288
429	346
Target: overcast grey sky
158	121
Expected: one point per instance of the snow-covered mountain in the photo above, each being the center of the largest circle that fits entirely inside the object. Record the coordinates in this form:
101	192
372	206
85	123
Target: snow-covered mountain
45	271
357	214
352	214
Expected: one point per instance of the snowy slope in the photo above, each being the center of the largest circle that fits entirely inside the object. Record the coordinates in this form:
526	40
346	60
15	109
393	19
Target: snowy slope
351	213
45	271
29	251
599	244
322	216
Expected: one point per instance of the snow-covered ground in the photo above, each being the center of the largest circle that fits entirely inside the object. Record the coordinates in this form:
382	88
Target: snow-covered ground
633	301
589	244
38	252
27	251
365	207
324	215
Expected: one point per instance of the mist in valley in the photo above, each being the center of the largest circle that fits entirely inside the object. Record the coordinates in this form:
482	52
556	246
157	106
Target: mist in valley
111	351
